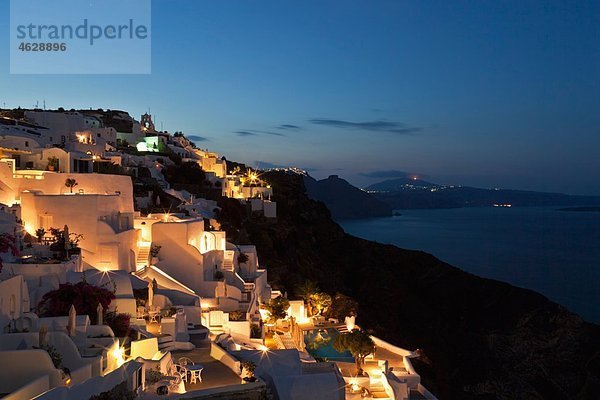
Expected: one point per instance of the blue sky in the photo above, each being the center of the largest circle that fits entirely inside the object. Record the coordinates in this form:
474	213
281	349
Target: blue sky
486	93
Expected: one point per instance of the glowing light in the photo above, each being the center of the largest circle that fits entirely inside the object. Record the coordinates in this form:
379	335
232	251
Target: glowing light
264	314
119	356
29	228
355	387
142	146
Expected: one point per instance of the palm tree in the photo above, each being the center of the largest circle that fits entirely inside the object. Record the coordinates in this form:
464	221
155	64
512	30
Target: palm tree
71	183
306	290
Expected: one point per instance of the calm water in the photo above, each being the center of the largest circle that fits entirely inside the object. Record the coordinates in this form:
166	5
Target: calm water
556	253
319	343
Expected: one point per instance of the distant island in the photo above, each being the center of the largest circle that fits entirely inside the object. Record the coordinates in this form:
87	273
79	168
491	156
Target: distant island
346	201
581	209
406	193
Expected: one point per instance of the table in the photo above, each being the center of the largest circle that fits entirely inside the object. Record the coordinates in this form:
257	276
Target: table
195	372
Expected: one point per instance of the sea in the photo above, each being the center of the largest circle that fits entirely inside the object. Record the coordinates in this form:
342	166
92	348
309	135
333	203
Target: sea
556	253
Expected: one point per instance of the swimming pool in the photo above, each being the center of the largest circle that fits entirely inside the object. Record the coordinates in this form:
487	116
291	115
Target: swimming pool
319	343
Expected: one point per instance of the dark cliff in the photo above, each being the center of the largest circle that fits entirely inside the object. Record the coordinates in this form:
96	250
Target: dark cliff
482	339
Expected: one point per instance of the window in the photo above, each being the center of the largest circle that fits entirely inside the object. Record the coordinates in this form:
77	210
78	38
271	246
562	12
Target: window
26	143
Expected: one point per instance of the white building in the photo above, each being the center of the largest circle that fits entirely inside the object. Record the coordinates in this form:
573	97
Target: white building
100	208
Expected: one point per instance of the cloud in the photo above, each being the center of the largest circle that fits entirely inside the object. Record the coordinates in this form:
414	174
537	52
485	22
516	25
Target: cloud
385	174
289	127
405	131
195	138
252	132
273	133
244	133
374	126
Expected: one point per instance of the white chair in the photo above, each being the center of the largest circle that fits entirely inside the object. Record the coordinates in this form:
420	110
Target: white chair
141	312
183	363
153	314
179	372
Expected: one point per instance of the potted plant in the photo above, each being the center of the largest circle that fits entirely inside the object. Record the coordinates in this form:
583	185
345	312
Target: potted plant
219	275
71	183
39	233
248	368
53	163
154	250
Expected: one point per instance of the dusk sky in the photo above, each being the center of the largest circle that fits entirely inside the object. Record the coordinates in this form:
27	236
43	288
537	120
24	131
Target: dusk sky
484	93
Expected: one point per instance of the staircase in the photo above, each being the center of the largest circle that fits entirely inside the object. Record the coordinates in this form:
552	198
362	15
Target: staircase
143	255
197	330
228	265
377	390
165	342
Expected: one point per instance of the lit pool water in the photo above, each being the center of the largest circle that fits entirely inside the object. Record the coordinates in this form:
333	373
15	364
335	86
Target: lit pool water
319	343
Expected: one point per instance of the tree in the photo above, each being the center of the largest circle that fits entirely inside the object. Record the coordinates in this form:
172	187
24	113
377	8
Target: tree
277	307
305	290
356	342
320	302
243	258
60	237
342	306
119	323
84	296
71	183
7	245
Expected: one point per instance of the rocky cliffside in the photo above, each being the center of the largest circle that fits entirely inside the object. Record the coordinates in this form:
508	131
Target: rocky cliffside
345	201
482	339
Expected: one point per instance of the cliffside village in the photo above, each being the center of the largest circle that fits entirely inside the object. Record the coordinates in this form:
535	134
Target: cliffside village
117	283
